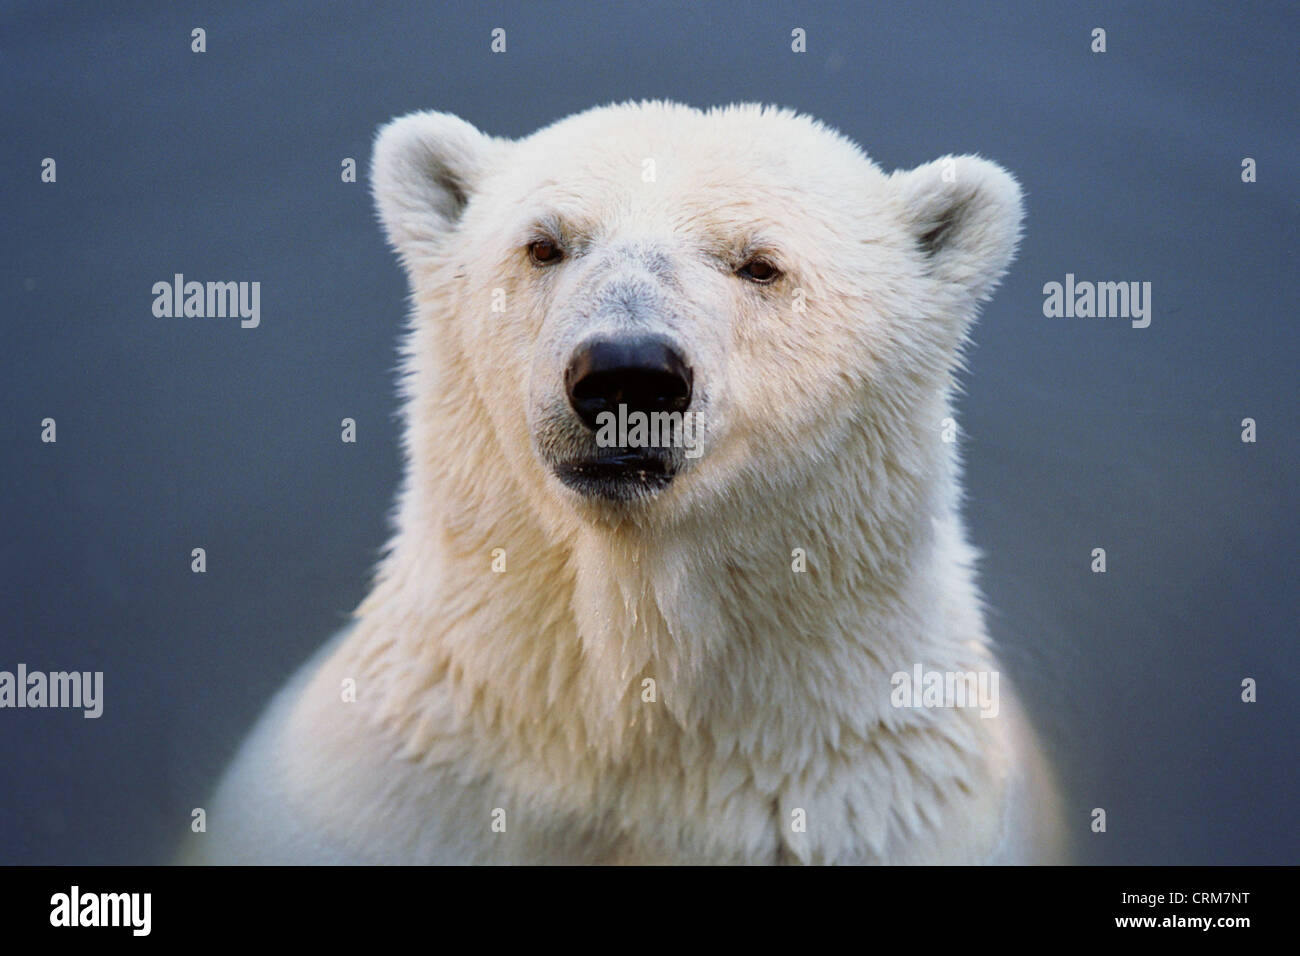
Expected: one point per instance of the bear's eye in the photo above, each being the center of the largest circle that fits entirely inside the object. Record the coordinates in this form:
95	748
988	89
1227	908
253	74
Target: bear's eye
759	270
544	252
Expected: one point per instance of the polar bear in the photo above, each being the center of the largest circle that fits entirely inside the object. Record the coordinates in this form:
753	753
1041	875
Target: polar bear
583	651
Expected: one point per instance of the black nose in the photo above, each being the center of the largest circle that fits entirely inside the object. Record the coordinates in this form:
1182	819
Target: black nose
647	375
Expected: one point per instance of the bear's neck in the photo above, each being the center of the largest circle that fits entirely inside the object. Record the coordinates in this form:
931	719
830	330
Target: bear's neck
566	640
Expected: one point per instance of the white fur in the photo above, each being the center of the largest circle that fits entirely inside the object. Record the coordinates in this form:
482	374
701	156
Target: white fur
522	691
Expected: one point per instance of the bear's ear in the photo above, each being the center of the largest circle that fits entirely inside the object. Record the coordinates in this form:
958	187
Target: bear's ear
964	213
426	167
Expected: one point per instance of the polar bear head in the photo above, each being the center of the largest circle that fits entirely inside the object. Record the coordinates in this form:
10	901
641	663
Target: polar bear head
648	309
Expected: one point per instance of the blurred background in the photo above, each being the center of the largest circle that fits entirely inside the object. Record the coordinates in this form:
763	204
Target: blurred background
1078	433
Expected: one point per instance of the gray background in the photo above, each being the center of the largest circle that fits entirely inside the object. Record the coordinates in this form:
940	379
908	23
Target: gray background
176	433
